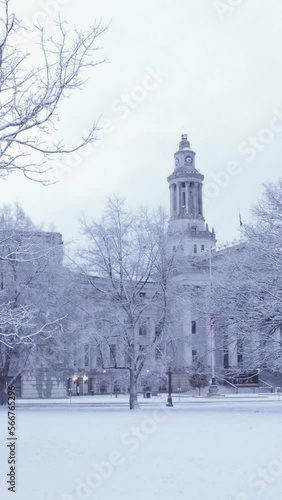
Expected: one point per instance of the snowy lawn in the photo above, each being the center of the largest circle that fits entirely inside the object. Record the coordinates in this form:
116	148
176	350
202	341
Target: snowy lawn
222	451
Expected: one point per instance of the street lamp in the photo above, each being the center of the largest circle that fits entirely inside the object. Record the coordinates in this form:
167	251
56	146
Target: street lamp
169	397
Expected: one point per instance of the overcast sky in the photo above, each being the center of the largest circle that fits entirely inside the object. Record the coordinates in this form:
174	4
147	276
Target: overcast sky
209	68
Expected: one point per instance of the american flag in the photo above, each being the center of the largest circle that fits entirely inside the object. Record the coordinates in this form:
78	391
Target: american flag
212	321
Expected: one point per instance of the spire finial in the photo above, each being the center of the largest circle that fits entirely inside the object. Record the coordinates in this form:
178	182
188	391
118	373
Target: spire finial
184	143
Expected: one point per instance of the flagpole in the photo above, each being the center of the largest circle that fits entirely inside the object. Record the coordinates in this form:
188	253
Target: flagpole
212	359
213	389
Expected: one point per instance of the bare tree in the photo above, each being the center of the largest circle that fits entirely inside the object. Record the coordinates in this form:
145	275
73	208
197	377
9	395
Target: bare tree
247	289
31	94
125	263
30	263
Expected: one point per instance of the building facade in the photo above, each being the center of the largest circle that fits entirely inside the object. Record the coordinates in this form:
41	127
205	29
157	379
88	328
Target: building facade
88	369
190	242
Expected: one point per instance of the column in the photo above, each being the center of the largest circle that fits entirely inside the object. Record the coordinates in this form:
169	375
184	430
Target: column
171	190
187	334
255	348
232	347
80	356
177	199
232	353
195	210
190	199
186	196
200	199
197	199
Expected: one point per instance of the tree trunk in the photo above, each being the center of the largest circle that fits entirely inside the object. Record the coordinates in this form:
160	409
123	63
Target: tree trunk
199	391
3	391
133	400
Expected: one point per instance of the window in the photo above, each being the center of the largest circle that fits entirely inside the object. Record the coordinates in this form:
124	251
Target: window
143	329
174	248
75	355
99	360
225	358
159	352
240	352
202	248
128	358
142	348
158	330
103	387
194	355
195	248
142	294
193	327
113	352
86	355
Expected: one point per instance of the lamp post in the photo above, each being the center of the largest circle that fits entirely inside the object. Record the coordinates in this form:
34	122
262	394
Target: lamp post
169	397
213	389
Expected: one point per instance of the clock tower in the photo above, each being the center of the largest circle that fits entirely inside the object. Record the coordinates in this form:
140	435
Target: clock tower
187	228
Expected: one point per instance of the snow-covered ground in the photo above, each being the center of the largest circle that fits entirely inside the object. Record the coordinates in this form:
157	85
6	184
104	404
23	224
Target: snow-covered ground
215	451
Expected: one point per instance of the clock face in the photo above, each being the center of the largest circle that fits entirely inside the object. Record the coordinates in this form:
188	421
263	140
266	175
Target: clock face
176	161
188	160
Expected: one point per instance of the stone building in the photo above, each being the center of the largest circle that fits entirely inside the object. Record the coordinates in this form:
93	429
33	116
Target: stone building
191	243
30	267
193	246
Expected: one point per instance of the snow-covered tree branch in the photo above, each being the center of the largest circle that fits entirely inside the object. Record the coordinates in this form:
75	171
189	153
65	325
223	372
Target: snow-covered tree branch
124	262
247	288
30	94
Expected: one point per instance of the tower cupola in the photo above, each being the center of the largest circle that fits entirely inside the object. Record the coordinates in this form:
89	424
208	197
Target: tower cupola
186	200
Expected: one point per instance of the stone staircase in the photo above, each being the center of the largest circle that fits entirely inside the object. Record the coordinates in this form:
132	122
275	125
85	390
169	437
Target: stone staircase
274	379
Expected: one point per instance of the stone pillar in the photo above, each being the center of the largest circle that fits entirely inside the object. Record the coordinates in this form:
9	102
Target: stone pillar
186	196
72	357
190	199
94	359
255	347
232	347
80	356
177	199
200	199
187	335
171	189
195	198
233	353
